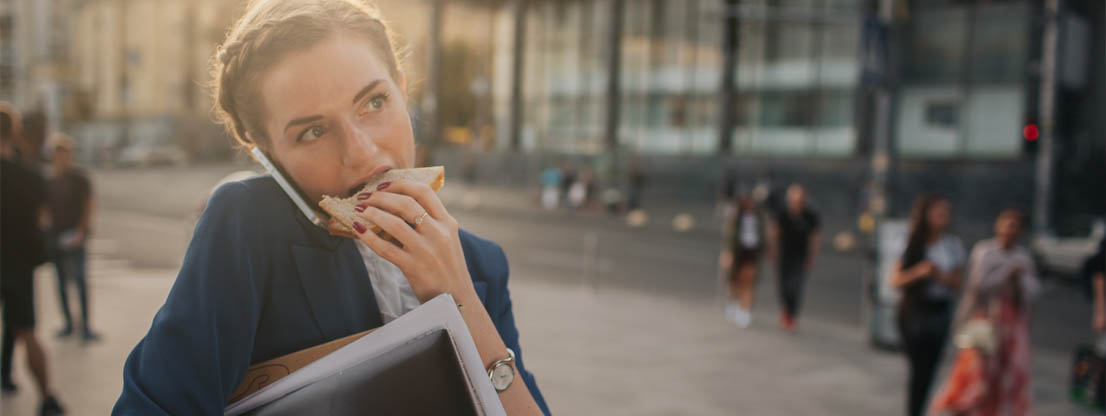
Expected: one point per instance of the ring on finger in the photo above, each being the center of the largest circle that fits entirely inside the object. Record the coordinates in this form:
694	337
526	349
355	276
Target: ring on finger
420	218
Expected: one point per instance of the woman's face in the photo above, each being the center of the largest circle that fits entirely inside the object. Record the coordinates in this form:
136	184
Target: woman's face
1008	228
939	215
334	117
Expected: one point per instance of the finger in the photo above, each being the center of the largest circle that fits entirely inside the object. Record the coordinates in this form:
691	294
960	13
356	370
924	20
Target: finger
400	205
397	227
423	194
386	249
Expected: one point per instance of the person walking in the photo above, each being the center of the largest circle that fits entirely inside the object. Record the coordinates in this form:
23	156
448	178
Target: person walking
928	274
70	197
550	188
22	205
1001	286
745	233
795	240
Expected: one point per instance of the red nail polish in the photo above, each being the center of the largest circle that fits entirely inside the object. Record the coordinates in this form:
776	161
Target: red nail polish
361	207
383	185
364	196
359	227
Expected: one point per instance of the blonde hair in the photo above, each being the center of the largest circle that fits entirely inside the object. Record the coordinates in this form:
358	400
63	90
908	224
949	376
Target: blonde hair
269	30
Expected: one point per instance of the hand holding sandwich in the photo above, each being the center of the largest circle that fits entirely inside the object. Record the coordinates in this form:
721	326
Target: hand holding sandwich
429	251
400	217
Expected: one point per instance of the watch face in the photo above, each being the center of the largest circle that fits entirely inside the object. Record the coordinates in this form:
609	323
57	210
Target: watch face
502	376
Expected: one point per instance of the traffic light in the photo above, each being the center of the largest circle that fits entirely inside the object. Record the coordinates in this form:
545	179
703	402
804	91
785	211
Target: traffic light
1031	137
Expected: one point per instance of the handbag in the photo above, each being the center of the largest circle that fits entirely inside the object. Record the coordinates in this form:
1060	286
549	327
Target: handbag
1088	371
966	386
977	333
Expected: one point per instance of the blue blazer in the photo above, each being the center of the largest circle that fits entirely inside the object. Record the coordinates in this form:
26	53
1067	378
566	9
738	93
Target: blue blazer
258	282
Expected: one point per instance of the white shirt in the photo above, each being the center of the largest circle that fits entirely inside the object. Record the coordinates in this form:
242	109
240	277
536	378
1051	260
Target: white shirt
947	255
750	239
393	292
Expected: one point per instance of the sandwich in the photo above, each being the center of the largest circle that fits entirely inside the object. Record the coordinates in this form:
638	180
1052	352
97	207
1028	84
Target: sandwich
342	210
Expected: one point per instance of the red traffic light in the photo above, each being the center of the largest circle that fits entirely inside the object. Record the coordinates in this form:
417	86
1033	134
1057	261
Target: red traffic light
1030	132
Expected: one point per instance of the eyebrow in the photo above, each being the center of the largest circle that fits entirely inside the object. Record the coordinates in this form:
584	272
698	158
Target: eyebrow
365	90
301	120
356	98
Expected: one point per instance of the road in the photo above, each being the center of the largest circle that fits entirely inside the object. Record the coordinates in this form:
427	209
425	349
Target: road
615	319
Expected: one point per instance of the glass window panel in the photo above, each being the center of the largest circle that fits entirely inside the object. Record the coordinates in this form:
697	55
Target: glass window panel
999	44
935	45
994	121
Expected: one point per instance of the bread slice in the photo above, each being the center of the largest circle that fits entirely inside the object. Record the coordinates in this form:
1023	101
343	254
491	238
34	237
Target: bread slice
343	214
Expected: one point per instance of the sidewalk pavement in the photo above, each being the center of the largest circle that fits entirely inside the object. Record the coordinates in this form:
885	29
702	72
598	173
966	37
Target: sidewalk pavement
605	352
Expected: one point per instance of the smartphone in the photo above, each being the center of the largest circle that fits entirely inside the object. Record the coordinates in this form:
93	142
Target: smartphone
289	188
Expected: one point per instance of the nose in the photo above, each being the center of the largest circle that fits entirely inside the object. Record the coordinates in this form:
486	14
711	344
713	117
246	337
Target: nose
358	145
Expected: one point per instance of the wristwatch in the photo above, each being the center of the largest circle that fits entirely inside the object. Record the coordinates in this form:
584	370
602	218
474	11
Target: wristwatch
502	373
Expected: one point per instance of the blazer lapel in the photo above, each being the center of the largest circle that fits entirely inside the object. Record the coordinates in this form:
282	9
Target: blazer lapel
337	288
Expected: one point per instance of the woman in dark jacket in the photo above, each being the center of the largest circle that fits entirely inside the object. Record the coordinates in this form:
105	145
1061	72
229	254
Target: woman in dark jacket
929	276
315	85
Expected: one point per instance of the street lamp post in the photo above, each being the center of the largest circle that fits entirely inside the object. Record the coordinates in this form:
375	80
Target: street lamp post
729	78
1042	199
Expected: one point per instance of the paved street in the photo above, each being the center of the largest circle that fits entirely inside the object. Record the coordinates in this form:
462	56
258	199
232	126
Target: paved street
614	320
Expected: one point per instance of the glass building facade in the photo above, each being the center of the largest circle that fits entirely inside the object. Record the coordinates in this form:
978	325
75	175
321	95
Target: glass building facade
961	91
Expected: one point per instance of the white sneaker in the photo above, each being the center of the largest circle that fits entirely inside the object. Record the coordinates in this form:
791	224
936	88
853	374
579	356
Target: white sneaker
743	318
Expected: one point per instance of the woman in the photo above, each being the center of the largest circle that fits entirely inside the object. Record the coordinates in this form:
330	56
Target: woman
999	289
928	275
746	236
317	86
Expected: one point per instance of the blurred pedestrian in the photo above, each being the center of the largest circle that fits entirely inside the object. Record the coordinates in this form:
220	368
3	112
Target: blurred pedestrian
22	207
742	257
35	129
581	190
1001	285
70	197
568	177
928	274
795	240
550	188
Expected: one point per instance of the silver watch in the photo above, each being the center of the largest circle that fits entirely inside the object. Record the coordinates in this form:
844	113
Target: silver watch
502	373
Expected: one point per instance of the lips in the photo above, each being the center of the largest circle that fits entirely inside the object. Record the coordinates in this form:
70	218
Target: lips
361	184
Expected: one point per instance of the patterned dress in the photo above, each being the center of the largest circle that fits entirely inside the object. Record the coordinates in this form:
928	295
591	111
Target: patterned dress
994	381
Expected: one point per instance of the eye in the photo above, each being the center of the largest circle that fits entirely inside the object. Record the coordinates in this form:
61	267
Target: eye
374	103
312	133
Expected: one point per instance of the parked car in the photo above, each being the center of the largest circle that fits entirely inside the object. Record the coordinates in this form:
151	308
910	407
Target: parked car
1063	257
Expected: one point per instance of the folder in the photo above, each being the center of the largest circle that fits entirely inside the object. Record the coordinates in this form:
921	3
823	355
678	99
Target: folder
424	362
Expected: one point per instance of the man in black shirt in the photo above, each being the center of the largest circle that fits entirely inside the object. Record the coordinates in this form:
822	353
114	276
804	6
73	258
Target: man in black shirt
70	197
22	204
795	239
